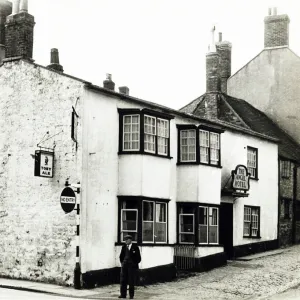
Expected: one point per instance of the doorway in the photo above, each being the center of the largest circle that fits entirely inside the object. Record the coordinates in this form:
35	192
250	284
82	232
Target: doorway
226	228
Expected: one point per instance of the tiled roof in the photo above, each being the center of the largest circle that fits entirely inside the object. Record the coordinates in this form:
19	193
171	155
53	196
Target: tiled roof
241	113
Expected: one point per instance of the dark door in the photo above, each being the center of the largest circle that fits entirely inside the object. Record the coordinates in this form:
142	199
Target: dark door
226	228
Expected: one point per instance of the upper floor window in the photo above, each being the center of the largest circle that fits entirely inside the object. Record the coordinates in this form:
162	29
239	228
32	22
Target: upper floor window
188	145
145	132
252	162
131	132
198	145
285	168
145	220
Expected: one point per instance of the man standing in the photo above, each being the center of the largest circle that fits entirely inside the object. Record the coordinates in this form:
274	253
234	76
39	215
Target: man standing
130	258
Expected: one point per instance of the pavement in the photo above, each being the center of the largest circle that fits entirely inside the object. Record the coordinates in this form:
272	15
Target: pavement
258	276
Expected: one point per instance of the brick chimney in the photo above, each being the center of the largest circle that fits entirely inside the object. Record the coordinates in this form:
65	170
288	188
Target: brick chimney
54	61
224	50
124	90
213	82
5	10
108	83
19	31
276	29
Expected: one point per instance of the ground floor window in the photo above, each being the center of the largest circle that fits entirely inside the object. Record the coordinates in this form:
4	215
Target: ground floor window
145	219
198	223
251	221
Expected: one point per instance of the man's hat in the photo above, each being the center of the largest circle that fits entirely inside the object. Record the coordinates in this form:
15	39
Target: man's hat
128	236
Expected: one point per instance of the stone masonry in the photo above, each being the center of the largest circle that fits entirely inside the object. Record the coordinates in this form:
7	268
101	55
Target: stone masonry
37	237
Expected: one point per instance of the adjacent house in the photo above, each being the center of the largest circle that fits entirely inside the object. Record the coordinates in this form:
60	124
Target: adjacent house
269	82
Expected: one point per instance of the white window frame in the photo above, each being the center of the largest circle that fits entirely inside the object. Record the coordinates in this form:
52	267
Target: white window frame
210	208
207	222
285	169
205	146
131	133
153	222
251	214
150	134
136	225
164	138
252	161
189	233
217	149
156	221
188	147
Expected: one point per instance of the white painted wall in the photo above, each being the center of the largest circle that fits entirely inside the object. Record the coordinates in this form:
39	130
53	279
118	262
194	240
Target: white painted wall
262	193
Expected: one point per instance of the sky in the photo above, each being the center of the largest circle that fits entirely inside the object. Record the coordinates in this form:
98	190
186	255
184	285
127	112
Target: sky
155	47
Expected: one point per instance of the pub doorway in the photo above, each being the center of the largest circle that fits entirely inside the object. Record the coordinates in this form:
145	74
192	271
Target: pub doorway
226	228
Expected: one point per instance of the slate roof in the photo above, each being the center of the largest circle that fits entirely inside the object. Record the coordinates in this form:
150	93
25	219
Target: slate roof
243	114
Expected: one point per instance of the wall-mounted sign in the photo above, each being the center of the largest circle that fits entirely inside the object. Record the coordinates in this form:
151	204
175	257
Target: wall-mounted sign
240	179
44	162
67	199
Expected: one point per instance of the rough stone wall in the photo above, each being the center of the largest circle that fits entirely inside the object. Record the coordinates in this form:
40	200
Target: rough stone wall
37	237
286	224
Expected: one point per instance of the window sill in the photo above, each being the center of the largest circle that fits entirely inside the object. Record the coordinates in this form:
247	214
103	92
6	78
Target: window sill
147	244
199	164
252	237
144	153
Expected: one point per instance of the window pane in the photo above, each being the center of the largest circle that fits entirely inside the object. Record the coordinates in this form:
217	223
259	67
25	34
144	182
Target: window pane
160	232
129	220
251	161
148	211
203	234
133	234
187	238
161	212
204	154
187	223
213	212
254	220
213	234
203	215
148	231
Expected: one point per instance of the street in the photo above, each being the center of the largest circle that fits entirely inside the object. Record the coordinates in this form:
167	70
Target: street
274	277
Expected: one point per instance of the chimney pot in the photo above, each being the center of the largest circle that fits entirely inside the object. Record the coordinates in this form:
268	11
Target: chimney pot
54	61
24	6
220	36
108	83
275	11
124	90
15	7
270	11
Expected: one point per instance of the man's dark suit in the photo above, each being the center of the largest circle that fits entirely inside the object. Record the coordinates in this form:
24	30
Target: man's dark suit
130	260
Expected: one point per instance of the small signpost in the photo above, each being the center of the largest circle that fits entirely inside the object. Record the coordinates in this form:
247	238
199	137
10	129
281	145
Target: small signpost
240	180
43	166
68	200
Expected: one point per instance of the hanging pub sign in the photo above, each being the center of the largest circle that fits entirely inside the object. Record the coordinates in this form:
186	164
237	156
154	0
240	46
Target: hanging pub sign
240	179
67	199
44	162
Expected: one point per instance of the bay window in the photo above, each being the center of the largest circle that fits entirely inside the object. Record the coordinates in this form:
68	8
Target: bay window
144	219
199	145
144	132
198	224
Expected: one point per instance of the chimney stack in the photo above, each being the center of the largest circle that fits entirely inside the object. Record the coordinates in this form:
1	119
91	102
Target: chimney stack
213	83
19	31
108	83
5	10
124	90
276	29
54	61
224	50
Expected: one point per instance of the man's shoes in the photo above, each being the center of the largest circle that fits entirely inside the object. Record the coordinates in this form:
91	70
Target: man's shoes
131	297
122	296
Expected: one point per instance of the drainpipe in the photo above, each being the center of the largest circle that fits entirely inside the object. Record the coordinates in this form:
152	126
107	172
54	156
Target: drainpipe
295	179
